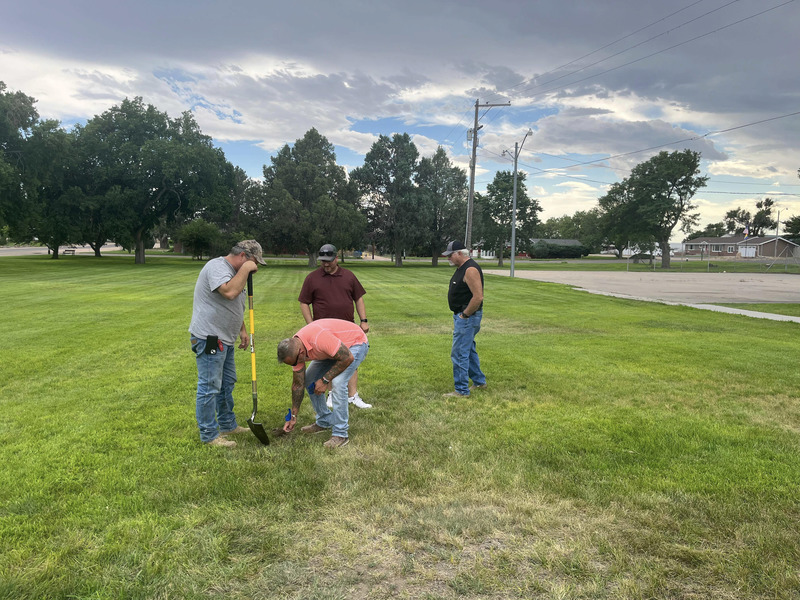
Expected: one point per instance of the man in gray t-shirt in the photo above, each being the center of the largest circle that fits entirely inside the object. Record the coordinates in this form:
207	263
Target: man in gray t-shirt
219	303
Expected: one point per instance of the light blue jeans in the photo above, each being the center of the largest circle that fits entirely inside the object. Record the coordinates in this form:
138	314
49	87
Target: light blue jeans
336	419
216	376
466	364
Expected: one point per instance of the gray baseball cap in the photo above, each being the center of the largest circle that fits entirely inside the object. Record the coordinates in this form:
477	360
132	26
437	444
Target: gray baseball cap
327	253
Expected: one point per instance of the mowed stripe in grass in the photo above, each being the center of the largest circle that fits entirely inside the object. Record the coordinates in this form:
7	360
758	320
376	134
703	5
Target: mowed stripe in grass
622	450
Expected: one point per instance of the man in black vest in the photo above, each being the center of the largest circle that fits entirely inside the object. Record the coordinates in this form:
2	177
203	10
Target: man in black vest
465	297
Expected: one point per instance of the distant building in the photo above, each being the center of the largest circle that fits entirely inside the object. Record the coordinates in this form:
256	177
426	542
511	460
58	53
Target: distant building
737	246
487	253
713	246
772	247
554	242
491	253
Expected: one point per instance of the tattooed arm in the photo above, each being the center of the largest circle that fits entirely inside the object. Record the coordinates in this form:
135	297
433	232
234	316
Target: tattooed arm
343	358
298	389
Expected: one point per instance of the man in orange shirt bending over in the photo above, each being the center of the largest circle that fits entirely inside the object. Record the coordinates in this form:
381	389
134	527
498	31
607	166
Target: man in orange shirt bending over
335	349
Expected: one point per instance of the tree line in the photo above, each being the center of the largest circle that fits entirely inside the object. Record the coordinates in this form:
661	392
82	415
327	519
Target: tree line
133	174
644	209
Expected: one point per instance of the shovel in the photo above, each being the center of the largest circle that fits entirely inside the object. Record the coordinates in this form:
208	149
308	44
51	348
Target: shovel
256	428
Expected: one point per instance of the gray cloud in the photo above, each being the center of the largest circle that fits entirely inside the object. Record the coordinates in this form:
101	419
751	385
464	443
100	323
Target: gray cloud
266	72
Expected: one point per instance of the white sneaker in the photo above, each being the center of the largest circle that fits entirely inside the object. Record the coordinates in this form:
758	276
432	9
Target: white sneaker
329	401
357	401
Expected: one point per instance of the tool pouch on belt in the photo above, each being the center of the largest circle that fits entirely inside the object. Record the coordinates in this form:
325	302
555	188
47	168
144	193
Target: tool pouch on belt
212	343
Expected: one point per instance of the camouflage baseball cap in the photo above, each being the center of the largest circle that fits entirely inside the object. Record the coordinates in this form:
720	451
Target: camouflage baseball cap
253	248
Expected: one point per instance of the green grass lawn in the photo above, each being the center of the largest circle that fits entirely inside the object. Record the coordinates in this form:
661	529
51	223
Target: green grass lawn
623	449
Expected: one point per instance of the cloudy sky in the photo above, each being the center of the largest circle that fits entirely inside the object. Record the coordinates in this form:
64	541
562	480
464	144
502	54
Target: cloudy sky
602	85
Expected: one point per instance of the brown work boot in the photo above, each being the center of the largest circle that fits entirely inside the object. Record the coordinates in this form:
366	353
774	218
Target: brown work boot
221	442
336	442
313	428
238	429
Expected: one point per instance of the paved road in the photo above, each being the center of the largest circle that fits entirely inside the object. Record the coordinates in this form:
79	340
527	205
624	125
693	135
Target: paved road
690	289
28	250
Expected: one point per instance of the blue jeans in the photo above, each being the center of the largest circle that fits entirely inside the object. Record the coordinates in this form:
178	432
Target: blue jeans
216	376
336	419
466	364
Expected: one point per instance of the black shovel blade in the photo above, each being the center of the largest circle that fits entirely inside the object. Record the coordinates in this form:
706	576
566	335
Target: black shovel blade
258	431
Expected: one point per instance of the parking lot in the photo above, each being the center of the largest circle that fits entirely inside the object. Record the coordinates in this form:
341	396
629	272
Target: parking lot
692	289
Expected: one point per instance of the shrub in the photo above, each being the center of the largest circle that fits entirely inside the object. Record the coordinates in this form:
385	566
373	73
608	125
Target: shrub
199	237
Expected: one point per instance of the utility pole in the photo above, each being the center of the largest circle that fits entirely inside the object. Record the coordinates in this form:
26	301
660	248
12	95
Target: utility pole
474	131
517	150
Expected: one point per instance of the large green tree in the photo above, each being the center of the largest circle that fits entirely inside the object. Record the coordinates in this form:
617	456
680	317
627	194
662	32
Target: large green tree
584	225
758	224
142	166
657	196
443	189
396	210
792	227
710	230
305	200
618	219
17	119
53	207
101	200
497	210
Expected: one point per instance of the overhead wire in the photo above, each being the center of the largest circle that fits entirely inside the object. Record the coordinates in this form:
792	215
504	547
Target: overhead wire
624	50
689	139
555	172
693	138
618	40
447	137
624	37
582	57
672	143
634	46
657	52
457	125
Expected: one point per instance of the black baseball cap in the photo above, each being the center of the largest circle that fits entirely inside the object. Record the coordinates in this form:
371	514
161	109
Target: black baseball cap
452	247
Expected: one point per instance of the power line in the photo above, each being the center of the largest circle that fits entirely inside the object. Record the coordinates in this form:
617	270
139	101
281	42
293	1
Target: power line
693	138
658	52
777	194
457	125
594	52
554	173
608	45
689	139
646	57
623	51
788	185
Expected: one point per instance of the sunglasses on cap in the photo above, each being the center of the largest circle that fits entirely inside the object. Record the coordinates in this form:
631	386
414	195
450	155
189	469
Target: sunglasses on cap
327	253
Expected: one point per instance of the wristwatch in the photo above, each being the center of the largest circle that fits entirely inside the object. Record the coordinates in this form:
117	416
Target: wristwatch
364	321
325	381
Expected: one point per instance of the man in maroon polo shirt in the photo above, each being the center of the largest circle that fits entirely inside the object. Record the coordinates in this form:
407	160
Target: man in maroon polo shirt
329	293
